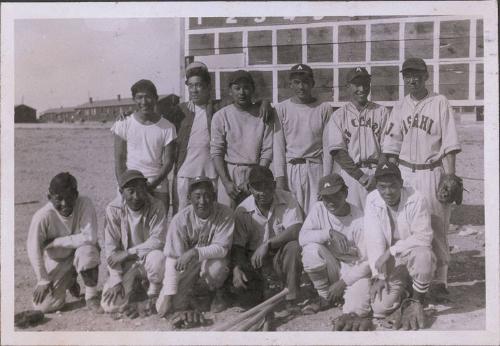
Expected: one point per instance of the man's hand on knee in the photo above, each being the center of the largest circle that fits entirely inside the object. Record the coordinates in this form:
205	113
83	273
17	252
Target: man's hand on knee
377	287
239	278
41	291
112	294
412	316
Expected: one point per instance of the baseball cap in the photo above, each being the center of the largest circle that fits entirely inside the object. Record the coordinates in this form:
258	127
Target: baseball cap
144	85
358	72
238	75
260	174
62	182
196	68
196	181
330	184
128	176
301	69
414	64
387	169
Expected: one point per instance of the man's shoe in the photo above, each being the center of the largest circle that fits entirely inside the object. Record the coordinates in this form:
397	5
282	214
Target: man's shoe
219	302
289	307
438	293
319	304
94	305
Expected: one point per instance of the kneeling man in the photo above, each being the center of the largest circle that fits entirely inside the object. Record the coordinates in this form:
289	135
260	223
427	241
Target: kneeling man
62	241
398	237
333	250
134	237
198	241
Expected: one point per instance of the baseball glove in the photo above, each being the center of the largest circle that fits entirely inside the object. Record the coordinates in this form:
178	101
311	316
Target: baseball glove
410	315
189	319
450	189
28	318
352	322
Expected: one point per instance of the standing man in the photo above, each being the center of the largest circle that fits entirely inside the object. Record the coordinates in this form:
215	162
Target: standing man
144	141
299	139
422	136
398	237
134	236
267	226
333	250
354	136
198	241
240	139
62	242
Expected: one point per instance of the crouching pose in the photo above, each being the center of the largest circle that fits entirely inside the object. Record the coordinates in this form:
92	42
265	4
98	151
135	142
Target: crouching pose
62	242
265	241
134	236
197	244
333	251
398	237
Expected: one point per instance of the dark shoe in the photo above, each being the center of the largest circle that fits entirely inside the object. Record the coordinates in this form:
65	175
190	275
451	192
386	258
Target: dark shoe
319	304
219	302
438	293
75	290
288	308
94	305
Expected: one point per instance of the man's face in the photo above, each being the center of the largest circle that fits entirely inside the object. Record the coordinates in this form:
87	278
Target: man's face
135	194
241	93
202	198
302	85
263	192
359	89
389	188
64	202
199	90
335	202
145	101
415	80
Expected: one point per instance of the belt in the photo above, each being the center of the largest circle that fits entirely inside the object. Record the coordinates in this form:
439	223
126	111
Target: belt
367	163
301	161
420	166
242	164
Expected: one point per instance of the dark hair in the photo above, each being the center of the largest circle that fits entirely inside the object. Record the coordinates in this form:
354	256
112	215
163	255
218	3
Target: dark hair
144	85
199	72
62	182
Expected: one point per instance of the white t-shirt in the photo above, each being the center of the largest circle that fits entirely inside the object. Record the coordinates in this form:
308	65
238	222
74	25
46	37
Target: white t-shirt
145	143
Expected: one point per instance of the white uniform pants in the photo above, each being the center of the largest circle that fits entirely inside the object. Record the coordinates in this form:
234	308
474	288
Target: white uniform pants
239	176
62	275
303	180
427	182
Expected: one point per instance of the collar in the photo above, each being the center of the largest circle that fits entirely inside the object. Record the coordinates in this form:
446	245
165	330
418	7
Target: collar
278	199
405	194
430	94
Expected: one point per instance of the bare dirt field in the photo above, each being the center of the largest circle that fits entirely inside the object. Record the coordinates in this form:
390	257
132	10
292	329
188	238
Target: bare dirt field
87	152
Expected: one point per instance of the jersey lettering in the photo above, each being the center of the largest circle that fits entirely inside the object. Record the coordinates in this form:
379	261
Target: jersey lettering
424	123
364	123
389	128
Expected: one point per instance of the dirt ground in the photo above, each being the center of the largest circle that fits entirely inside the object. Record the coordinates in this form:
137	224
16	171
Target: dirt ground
86	151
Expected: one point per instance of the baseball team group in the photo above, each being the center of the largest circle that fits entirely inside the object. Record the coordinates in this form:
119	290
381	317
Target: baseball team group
257	201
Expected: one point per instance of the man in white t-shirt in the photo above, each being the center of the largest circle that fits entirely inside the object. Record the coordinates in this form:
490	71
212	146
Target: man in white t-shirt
144	141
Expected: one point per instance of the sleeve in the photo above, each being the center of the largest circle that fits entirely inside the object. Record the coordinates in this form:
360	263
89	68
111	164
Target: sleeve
327	158
170	135
119	128
335	140
392	139
346	162
241	236
157	222
176	243
86	228
420	228
384	118
279	145
449	141
221	241
266	151
293	214
375	242
37	236
218	136
362	268
113	243
311	231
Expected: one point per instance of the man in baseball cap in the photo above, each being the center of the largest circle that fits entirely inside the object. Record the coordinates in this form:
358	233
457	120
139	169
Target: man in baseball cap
134	236
198	241
355	136
62	243
415	64
267	227
399	247
299	159
332	237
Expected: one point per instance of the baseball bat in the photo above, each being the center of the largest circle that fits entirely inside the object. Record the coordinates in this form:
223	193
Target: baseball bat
251	312
253	320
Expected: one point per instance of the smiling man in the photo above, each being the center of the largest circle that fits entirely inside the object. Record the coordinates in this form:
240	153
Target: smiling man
198	241
134	236
62	242
398	240
354	136
333	250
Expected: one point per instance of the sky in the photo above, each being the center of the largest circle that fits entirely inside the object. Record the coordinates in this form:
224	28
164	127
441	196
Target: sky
61	62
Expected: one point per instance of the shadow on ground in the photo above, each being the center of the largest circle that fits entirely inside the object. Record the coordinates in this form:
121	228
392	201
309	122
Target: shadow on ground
467	214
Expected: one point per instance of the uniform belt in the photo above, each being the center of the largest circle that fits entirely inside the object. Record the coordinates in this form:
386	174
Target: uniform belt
367	163
420	166
301	161
242	164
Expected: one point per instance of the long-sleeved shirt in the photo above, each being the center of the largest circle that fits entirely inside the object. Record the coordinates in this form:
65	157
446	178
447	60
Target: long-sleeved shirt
423	131
137	232
299	132
316	229
65	233
240	137
412	219
212	238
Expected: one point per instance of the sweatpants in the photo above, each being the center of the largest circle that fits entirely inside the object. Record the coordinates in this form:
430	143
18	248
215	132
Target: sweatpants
62	275
239	176
150	268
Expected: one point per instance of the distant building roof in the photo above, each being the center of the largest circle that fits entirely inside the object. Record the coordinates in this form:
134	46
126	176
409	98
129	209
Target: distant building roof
23	105
110	103
59	110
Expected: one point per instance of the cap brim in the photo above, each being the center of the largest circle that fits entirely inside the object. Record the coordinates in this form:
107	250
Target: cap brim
330	190
122	185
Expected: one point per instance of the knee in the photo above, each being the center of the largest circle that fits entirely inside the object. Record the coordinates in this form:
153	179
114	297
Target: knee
357	298
292	250
384	306
86	257
423	261
155	266
215	272
311	257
